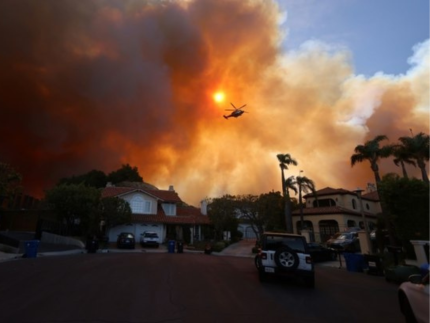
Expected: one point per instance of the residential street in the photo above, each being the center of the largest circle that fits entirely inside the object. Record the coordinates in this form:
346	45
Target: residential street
189	287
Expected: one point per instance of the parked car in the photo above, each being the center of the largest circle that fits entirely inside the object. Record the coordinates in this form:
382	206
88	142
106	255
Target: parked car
320	253
347	241
414	299
126	240
284	254
332	238
337	234
150	239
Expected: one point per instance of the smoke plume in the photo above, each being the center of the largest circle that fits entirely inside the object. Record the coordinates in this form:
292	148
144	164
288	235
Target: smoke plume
96	84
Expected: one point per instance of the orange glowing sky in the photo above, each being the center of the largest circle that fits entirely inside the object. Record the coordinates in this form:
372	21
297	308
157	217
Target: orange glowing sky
95	84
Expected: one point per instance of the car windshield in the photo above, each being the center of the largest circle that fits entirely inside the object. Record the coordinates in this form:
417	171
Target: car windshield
345	236
151	235
127	235
295	243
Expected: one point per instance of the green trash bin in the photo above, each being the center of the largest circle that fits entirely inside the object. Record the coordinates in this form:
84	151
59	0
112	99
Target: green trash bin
30	250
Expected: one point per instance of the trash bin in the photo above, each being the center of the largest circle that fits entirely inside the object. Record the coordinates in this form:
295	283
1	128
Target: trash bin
354	262
92	244
30	250
374	265
180	246
400	273
171	246
208	249
396	251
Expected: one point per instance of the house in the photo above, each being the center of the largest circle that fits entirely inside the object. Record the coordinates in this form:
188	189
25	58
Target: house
160	211
336	210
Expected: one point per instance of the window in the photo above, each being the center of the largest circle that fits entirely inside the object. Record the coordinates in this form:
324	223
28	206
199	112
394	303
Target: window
169	208
354	204
140	205
324	203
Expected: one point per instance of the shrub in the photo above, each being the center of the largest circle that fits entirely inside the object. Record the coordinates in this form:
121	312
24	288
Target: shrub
219	246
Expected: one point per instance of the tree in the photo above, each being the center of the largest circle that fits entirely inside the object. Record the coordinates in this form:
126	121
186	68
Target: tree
305	185
372	152
407	206
114	211
94	178
402	157
125	174
270	207
284	161
10	182
247	210
223	214
76	206
418	148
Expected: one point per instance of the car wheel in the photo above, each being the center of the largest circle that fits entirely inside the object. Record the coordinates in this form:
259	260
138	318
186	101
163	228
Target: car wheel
407	310
286	259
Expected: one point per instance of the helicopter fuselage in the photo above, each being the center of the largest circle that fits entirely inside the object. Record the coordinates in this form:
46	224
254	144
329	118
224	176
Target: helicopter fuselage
234	114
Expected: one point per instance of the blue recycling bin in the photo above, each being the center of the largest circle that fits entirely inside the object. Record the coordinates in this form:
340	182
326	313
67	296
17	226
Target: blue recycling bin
171	246
354	262
30	250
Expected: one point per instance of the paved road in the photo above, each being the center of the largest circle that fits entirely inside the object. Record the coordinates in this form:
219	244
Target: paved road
162	287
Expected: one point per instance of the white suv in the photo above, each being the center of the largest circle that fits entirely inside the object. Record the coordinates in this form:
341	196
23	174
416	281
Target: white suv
285	254
149	238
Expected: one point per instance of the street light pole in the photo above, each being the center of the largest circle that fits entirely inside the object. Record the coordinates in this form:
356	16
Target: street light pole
366	226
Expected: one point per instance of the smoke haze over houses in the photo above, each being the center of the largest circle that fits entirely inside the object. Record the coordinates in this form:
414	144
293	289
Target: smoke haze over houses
95	84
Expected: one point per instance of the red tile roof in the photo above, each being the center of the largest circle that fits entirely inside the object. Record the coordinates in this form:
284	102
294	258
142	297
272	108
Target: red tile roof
165	196
184	215
331	210
373	196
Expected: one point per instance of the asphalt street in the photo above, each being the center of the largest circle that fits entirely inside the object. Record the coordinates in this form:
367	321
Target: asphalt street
190	287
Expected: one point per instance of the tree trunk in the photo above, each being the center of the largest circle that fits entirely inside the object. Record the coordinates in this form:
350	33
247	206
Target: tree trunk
288	214
422	166
405	174
375	169
287	205
301	209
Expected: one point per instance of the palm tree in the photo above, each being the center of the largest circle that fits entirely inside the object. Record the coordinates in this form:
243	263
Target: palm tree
418	148
372	152
305	185
402	157
284	161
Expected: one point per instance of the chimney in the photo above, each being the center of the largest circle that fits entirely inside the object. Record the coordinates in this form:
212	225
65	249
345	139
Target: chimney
204	207
171	188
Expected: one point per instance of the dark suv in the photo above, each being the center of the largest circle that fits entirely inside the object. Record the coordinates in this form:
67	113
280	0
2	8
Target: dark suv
126	240
285	254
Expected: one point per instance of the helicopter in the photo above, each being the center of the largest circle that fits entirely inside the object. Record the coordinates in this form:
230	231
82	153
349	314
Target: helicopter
237	112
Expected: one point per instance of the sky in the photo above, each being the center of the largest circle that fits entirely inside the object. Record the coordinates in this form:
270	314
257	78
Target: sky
96	84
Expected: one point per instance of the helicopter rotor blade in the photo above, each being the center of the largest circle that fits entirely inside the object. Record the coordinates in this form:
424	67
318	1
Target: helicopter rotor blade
233	106
229	110
242	106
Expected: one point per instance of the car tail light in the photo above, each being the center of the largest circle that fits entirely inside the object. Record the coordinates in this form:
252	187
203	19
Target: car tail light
263	255
308	260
